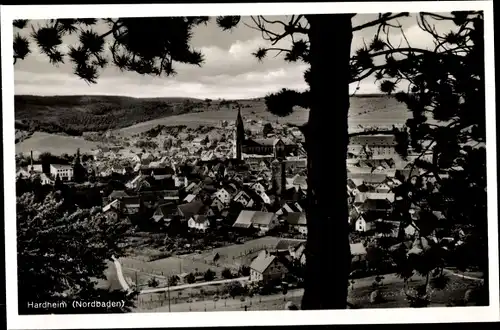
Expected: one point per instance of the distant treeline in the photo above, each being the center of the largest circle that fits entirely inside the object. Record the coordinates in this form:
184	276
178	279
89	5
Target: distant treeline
74	115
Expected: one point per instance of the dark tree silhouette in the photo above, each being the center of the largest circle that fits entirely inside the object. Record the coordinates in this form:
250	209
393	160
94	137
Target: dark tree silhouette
62	254
432	90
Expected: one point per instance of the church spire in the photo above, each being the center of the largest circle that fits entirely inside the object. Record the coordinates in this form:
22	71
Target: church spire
239	138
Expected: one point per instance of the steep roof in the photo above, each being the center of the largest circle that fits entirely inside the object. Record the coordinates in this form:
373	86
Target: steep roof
199	218
285	244
190	209
115	194
296	218
262	262
131	200
247	218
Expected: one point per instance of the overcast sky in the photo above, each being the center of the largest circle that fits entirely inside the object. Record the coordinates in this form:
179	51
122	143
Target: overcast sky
229	71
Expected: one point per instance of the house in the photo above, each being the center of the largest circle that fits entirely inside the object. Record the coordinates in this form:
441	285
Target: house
117	194
362	225
65	172
289	208
411	230
164	213
23	173
378	144
188	210
189	198
297	252
112	210
139	180
170	195
358	251
199	222
130	204
161	173
217	205
266	268
244	199
263	221
45	179
258	188
297	221
119	169
180	181
226	194
297	181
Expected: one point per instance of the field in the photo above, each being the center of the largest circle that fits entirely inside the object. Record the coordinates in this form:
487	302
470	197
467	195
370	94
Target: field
239	254
137	267
55	144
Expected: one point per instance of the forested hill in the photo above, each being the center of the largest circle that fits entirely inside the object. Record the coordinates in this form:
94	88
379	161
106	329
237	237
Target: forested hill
74	115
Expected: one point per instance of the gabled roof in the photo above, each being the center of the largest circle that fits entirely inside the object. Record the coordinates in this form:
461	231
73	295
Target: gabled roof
130	200
116	194
199	218
375	205
190	209
113	204
166	209
296	218
247	218
262	262
285	244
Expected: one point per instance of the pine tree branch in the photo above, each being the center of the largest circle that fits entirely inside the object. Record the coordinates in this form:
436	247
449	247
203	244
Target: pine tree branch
382	20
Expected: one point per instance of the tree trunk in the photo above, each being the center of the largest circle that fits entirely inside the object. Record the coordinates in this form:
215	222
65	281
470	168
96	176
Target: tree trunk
328	257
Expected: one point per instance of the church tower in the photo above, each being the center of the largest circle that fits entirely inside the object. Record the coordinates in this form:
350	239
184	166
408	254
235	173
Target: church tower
239	136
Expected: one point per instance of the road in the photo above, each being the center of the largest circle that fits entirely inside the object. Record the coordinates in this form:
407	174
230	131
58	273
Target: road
119	274
194	285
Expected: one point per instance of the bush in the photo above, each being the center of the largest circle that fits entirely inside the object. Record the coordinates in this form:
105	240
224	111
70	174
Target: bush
173	280
209	275
227	274
244	271
153	282
190	278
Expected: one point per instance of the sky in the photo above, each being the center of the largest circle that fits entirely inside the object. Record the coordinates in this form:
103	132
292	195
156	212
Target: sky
229	70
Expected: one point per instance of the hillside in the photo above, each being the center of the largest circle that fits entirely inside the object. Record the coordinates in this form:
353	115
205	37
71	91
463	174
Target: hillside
366	111
74	115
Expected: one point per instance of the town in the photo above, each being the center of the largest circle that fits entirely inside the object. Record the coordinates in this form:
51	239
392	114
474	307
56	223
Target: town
221	211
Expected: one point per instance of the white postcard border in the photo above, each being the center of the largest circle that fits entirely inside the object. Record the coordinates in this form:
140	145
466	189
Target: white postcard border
201	319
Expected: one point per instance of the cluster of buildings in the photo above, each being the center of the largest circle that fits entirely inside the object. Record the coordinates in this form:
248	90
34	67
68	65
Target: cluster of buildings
224	177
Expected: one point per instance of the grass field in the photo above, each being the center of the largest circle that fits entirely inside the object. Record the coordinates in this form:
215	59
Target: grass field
237	254
168	266
55	144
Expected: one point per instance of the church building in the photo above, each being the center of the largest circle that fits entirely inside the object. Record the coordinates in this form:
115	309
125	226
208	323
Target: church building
266	146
